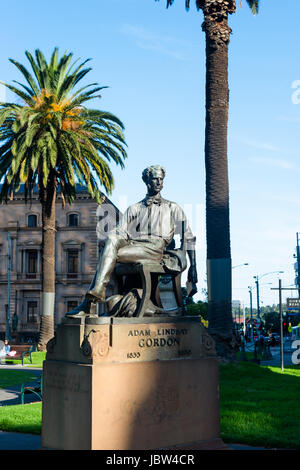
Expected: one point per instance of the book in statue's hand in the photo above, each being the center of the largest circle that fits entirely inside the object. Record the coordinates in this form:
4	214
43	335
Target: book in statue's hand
191	288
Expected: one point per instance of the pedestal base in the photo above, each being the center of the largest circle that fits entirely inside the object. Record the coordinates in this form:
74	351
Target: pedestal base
116	384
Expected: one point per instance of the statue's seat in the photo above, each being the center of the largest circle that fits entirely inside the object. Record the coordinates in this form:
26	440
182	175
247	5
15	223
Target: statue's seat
145	276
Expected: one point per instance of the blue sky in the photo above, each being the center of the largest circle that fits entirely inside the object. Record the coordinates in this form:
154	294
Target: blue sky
153	61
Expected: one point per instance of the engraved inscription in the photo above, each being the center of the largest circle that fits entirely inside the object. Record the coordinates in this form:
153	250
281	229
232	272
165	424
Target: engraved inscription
133	355
162	403
184	352
158	342
139	333
61	380
163	338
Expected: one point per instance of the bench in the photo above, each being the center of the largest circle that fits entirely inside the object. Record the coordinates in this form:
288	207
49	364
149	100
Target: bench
36	389
22	351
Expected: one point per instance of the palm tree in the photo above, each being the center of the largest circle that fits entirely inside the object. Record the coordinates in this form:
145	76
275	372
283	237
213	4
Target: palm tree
217	33
50	139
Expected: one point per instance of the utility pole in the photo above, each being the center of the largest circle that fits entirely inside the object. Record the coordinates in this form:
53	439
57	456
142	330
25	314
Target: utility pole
280	289
258	320
298	264
281	326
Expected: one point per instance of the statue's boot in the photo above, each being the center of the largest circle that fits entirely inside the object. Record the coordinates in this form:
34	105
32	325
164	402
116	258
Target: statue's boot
96	295
97	290
81	310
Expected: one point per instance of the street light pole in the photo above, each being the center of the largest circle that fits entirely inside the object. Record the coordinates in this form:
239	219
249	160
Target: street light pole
257	298
251	312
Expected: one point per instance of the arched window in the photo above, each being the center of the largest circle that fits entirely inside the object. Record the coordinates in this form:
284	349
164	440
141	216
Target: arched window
73	220
32	220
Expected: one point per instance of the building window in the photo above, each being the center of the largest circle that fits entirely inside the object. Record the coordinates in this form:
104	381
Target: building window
31	264
32	315
73	220
72	263
71	304
32	220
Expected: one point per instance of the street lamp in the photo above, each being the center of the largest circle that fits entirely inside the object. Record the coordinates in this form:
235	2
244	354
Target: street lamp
251	312
257	279
238	265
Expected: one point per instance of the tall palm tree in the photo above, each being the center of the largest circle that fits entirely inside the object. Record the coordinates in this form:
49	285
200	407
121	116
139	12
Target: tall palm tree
217	34
51	139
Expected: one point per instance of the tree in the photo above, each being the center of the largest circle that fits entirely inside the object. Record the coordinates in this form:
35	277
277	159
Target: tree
271	321
217	34
50	139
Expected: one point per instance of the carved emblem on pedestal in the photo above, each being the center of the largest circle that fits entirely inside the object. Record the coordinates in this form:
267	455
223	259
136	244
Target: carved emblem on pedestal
96	343
208	343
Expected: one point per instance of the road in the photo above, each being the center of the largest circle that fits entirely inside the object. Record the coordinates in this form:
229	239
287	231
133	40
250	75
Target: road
276	356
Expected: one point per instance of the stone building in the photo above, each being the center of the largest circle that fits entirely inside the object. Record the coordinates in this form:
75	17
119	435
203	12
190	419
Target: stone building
77	250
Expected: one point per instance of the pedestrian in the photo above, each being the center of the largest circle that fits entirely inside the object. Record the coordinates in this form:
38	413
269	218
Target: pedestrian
7	349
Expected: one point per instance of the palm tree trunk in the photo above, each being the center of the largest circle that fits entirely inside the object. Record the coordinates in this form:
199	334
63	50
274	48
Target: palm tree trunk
217	185
47	198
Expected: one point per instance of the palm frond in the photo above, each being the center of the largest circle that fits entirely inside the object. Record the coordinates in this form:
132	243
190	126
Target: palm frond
253	5
54	131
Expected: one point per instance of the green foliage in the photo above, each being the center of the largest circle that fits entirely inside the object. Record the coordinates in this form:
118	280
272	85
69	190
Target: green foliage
198	308
253	4
271	321
51	132
194	308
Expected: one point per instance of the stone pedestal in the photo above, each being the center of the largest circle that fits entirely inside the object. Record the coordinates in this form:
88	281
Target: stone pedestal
122	384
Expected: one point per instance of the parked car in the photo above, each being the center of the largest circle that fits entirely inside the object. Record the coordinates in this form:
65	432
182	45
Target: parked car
262	340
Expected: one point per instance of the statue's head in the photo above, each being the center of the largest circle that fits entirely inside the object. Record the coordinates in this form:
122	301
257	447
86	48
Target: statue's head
153	177
150	171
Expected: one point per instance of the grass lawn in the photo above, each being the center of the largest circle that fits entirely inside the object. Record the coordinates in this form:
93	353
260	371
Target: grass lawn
258	406
21	418
10	378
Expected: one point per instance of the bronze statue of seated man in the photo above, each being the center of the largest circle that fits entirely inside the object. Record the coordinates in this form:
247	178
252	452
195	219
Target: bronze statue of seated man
146	229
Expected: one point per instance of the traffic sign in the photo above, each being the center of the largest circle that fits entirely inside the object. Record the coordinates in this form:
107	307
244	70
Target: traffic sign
293	303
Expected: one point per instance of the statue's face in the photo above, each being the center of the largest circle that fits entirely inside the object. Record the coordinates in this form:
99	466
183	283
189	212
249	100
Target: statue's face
155	182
